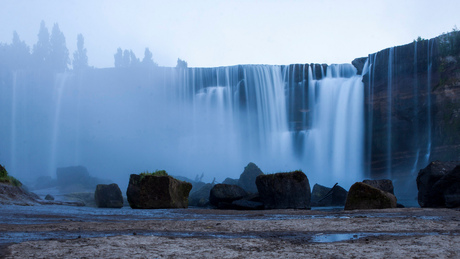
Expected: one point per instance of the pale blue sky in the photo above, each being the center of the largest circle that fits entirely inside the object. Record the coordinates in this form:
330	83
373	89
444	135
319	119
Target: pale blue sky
219	33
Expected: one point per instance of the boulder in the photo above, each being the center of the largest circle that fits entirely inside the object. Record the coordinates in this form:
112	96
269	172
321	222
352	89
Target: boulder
245	204
200	198
222	195
247	179
430	192
72	176
75	179
322	196
363	196
449	186
284	190
108	196
230	181
318	192
43	182
49	197
157	192
385	185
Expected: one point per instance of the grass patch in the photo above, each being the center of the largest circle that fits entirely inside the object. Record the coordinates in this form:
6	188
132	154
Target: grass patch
5	178
155	173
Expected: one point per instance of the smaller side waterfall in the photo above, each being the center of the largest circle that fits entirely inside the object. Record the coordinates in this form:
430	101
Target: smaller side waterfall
60	84
334	143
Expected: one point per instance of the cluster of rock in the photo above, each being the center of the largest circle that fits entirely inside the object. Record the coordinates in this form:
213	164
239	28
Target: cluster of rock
255	190
246	182
274	191
439	185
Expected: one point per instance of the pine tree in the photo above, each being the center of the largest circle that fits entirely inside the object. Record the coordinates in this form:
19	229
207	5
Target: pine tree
118	58
80	59
181	63
147	61
126	58
59	54
41	49
134	61
18	54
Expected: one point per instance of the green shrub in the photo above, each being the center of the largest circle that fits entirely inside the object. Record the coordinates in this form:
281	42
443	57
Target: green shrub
155	173
449	44
5	178
3	172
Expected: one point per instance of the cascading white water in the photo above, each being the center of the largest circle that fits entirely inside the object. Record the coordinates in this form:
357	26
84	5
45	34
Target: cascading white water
389	111
60	84
334	143
200	120
428	91
13	122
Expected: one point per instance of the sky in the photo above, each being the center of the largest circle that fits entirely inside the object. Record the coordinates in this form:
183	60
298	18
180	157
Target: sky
210	33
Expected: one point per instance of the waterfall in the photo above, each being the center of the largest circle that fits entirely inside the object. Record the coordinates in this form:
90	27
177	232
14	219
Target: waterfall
335	140
194	120
399	113
389	111
60	84
13	151
428	99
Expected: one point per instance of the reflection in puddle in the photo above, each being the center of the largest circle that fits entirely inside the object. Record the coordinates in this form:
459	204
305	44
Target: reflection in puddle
339	237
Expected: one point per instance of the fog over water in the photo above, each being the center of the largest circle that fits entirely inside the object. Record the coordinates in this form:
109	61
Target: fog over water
128	109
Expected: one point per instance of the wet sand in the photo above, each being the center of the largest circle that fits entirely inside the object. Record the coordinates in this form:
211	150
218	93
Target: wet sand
198	233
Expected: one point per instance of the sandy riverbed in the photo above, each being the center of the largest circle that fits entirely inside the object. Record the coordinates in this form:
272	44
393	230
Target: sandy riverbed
193	233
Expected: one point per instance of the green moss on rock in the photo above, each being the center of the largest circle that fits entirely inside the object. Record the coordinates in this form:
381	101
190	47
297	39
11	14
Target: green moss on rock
5	178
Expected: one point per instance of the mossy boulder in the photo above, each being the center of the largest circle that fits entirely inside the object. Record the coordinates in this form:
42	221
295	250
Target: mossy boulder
362	196
157	192
381	184
284	190
108	196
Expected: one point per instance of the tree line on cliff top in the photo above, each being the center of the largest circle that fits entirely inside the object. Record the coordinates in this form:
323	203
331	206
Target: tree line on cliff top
50	53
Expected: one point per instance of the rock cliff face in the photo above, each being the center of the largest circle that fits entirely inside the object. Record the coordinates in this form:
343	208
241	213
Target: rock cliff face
412	107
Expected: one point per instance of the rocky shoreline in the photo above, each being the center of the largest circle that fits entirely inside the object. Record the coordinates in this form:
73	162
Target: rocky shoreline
402	232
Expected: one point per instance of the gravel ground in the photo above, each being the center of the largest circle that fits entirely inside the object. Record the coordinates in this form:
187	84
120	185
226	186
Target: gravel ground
194	233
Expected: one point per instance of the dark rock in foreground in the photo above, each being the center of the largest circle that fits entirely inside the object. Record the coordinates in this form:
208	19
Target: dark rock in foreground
200	198
284	190
108	196
247	179
439	185
222	195
322	196
385	185
362	196
157	192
